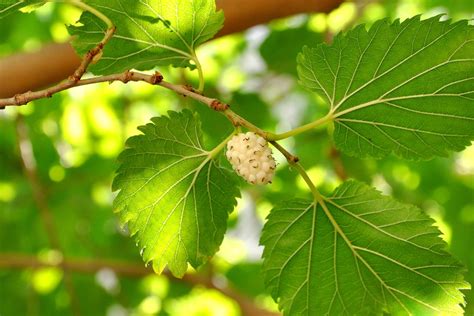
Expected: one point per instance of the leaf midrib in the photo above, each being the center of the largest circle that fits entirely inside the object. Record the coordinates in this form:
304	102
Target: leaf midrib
356	254
184	198
382	100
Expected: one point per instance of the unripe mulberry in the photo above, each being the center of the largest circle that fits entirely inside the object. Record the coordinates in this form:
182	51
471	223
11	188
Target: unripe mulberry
251	158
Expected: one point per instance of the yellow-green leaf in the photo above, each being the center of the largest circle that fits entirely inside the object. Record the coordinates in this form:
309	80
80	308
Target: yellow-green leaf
174	197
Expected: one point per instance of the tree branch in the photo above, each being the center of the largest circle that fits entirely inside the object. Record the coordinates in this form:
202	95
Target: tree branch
155	79
24	98
33	71
21	261
242	14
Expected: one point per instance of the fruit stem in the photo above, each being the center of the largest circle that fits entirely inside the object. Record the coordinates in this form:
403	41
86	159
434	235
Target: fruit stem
294	162
292	159
214	152
200	73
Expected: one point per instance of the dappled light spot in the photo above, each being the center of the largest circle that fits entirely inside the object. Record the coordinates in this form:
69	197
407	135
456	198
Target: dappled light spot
45	280
7	191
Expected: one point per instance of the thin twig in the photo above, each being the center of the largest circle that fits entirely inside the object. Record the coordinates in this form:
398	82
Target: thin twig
29	167
126	269
89	57
294	162
292	159
39	196
337	163
84	6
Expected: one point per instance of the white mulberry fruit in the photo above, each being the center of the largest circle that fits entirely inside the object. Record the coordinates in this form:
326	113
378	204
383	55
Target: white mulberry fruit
251	158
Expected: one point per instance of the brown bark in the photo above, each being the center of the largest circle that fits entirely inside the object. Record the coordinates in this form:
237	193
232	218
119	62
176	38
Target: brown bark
242	14
31	71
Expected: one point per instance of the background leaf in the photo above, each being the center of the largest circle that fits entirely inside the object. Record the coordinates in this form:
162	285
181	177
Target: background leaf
149	33
280	48
173	195
366	254
404	87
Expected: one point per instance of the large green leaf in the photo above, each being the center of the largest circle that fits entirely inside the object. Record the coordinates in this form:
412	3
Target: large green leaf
406	88
173	195
360	254
149	33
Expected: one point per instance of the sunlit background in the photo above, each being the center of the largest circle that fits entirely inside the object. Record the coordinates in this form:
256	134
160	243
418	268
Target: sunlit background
73	139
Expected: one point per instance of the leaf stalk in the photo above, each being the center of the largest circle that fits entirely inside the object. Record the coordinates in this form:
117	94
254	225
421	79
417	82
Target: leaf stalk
304	128
81	5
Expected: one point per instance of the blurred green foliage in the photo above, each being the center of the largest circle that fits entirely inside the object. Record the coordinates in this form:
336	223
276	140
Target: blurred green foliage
77	135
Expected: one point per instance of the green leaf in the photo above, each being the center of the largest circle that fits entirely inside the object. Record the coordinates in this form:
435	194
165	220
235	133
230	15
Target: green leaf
406	88
173	195
8	7
361	254
149	33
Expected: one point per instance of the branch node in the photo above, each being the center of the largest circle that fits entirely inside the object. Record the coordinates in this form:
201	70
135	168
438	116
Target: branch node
75	77
191	89
217	105
20	98
233	119
127	76
157	78
292	159
89	57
